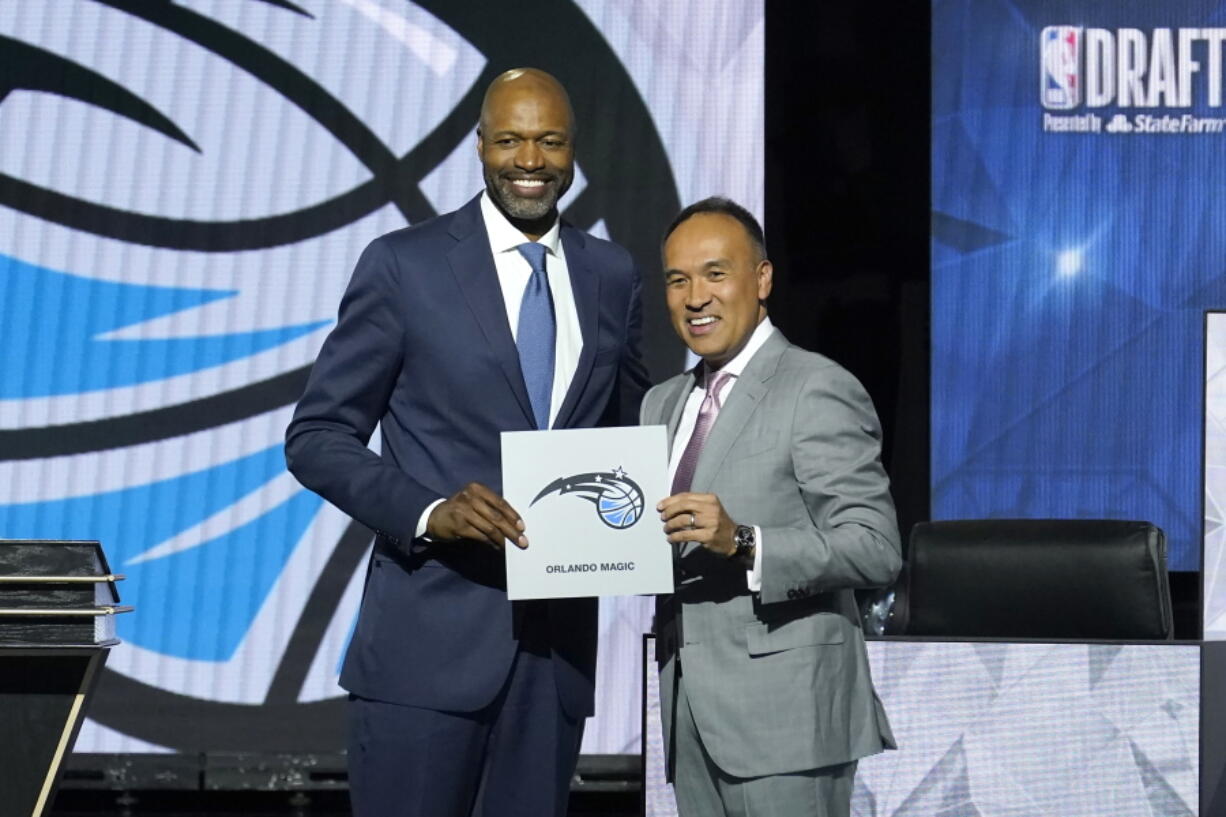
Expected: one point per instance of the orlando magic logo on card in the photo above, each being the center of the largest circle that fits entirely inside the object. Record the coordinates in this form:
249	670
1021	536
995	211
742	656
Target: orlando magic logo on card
1060	67
587	535
618	499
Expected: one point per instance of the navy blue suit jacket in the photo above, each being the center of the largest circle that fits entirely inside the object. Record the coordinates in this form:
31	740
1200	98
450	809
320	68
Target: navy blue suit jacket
422	345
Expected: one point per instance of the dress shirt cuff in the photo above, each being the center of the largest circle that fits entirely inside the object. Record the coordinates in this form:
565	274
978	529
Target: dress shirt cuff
754	576
424	521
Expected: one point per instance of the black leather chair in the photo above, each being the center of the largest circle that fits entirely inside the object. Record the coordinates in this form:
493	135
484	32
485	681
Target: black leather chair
1081	579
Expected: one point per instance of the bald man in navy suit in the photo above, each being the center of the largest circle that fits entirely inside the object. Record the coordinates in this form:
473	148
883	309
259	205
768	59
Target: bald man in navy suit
496	317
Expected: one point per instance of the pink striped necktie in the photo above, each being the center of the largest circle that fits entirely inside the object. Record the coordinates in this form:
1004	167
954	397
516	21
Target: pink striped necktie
707	413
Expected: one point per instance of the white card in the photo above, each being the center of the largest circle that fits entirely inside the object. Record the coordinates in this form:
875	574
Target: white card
588	499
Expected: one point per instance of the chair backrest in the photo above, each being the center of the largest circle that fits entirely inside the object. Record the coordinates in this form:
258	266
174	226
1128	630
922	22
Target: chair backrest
1035	578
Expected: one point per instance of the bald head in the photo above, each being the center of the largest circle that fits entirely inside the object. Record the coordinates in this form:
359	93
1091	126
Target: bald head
526	144
524	83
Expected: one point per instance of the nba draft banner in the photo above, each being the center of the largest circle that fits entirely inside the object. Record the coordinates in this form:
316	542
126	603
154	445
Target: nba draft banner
184	189
1078	235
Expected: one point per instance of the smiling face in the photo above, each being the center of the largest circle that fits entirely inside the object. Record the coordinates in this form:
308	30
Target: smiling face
526	145
715	283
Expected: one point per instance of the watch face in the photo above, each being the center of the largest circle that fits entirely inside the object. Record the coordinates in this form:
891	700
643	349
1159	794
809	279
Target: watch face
744	537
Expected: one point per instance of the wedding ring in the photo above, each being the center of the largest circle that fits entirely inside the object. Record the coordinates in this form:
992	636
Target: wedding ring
693	521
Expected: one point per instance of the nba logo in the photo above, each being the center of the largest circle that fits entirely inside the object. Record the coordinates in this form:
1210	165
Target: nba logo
1059	67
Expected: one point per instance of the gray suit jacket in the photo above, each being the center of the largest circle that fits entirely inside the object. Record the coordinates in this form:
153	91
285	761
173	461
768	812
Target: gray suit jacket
779	681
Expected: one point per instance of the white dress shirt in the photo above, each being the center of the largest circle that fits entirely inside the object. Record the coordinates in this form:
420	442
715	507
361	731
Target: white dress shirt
689	418
513	274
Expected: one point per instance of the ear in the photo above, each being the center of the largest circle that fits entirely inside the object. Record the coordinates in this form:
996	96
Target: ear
480	143
765	273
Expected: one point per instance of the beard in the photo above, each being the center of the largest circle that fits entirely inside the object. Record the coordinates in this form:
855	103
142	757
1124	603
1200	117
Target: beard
519	207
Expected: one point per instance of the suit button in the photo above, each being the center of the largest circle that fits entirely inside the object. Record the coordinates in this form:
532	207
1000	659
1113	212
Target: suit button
792	595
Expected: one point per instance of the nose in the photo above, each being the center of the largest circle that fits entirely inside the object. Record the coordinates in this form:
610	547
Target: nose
529	157
697	297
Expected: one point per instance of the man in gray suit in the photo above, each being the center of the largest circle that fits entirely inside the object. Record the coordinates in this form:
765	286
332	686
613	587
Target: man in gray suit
779	509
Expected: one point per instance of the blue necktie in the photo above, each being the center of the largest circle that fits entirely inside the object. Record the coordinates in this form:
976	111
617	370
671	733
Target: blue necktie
537	330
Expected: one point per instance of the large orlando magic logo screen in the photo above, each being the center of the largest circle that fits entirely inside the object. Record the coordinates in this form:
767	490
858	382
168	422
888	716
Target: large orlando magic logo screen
184	188
1078	233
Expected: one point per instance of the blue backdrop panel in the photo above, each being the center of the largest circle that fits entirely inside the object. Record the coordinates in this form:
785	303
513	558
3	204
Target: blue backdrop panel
1077	237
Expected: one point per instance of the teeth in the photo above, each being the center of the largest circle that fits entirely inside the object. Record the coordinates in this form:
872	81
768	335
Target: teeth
529	182
702	321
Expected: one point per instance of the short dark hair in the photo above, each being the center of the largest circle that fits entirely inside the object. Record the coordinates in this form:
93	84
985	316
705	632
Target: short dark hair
722	206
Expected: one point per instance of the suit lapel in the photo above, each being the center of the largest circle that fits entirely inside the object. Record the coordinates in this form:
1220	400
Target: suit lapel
674	405
585	287
747	392
474	271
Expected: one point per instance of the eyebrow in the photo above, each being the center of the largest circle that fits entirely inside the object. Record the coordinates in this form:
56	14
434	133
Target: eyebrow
509	132
715	262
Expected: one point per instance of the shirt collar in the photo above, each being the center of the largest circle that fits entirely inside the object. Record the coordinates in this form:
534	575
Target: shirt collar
504	237
737	365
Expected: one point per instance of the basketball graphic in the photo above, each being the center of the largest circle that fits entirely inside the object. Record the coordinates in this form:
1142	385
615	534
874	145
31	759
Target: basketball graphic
618	499
620	507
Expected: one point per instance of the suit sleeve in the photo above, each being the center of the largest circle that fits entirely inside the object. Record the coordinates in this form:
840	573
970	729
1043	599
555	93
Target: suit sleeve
632	380
346	395
851	538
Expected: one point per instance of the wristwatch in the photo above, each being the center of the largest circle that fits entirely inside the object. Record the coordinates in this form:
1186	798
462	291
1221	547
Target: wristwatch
746	541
